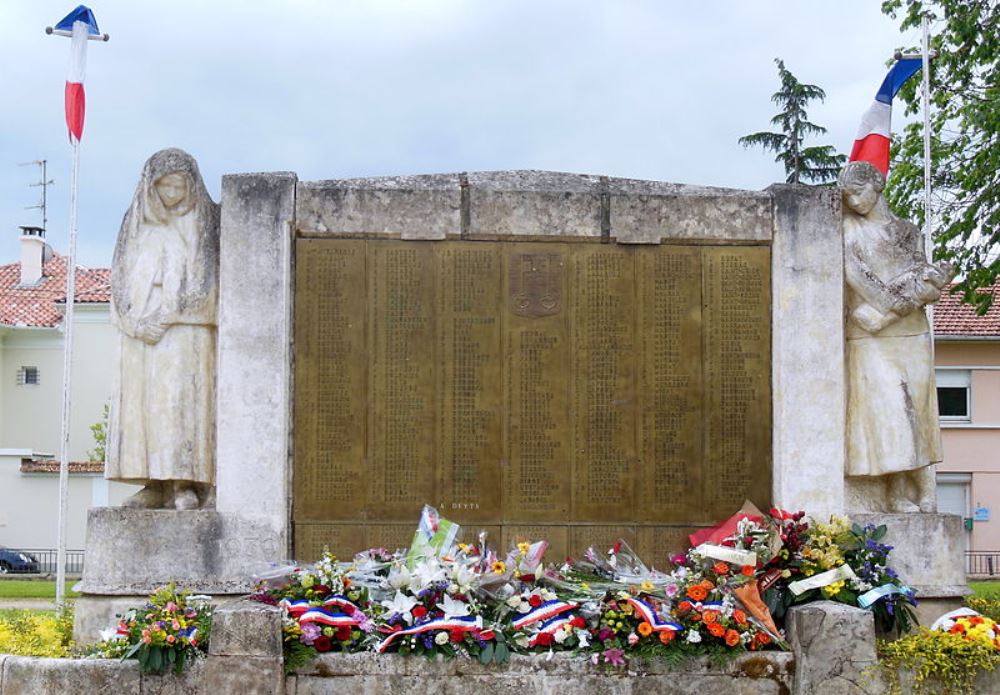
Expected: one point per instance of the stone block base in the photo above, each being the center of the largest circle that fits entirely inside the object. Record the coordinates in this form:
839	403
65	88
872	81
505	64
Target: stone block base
928	554
133	552
834	644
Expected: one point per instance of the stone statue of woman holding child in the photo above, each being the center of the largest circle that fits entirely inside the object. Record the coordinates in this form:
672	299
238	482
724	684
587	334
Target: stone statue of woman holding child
892	414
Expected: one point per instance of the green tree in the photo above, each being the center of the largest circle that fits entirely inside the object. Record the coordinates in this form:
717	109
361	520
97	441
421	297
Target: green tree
965	139
100	432
818	163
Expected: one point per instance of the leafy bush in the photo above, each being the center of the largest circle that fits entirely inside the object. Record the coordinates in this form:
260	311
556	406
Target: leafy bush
988	606
30	633
940	662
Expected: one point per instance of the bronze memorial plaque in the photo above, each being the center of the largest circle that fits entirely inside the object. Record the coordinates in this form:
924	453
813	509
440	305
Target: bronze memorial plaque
570	390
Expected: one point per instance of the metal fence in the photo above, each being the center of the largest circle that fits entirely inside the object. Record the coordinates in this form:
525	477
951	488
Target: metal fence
982	563
48	559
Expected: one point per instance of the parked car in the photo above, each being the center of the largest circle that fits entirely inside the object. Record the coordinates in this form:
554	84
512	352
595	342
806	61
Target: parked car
16	561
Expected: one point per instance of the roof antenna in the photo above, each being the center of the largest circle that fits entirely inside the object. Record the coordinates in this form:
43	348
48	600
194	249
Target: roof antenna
44	184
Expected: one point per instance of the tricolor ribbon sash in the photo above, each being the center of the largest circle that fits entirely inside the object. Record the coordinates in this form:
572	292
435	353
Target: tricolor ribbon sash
325	617
465	623
550	628
649	615
295	608
344	604
543	612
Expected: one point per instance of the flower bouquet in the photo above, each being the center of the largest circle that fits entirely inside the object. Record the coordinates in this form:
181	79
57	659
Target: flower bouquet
324	610
847	563
171	630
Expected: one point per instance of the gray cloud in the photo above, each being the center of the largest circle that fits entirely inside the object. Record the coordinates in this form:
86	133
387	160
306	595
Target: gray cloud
657	90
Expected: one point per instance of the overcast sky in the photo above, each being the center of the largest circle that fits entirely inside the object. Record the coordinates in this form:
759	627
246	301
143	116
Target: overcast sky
336	89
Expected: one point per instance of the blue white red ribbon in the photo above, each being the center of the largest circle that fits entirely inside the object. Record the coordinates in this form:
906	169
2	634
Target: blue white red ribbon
543	612
464	623
650	616
297	608
325	617
342	603
551	628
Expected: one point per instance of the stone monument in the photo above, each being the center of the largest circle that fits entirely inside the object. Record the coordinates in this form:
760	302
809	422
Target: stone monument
537	354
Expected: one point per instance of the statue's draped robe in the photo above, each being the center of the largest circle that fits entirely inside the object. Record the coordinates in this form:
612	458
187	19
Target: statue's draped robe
163	405
892	401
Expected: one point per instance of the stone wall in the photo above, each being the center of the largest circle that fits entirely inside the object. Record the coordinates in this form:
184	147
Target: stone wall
833	651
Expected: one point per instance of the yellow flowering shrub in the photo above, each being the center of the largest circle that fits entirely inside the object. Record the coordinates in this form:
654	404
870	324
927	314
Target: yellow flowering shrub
937	661
988	606
25	633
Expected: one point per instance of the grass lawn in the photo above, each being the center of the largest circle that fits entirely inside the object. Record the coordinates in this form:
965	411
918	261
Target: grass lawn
14	613
27	588
985	588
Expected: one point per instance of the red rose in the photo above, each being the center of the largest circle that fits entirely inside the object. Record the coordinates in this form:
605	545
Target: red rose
323	644
527	578
578	622
456	635
535	601
343	633
419	612
543	639
321	589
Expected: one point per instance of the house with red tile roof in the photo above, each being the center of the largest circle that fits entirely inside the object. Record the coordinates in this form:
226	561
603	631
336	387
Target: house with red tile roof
967	361
32	303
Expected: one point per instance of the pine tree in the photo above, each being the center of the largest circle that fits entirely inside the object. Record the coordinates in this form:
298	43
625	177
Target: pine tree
819	163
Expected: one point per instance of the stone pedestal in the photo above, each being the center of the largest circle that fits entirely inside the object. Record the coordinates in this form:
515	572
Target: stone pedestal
928	553
834	644
133	552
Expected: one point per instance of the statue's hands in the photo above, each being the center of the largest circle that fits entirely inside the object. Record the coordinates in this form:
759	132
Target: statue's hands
150	330
902	305
928	292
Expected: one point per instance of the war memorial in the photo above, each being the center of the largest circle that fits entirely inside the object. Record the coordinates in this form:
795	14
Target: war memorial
537	355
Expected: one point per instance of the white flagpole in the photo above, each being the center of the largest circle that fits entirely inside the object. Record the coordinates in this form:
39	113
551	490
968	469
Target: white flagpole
79	36
925	89
926	98
67	382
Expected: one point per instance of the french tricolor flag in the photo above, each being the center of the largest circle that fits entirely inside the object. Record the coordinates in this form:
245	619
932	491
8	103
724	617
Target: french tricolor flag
872	143
81	25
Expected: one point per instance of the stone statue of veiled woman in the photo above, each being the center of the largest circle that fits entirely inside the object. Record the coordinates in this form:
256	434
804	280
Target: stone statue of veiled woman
164	281
892	415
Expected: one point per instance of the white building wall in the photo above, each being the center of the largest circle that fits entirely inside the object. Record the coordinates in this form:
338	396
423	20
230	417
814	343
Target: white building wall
30	424
32	413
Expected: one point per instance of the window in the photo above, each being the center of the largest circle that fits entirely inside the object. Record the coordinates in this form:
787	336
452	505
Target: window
27	375
954	402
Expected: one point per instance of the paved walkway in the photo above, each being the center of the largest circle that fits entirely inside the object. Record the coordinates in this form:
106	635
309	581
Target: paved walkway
33	604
